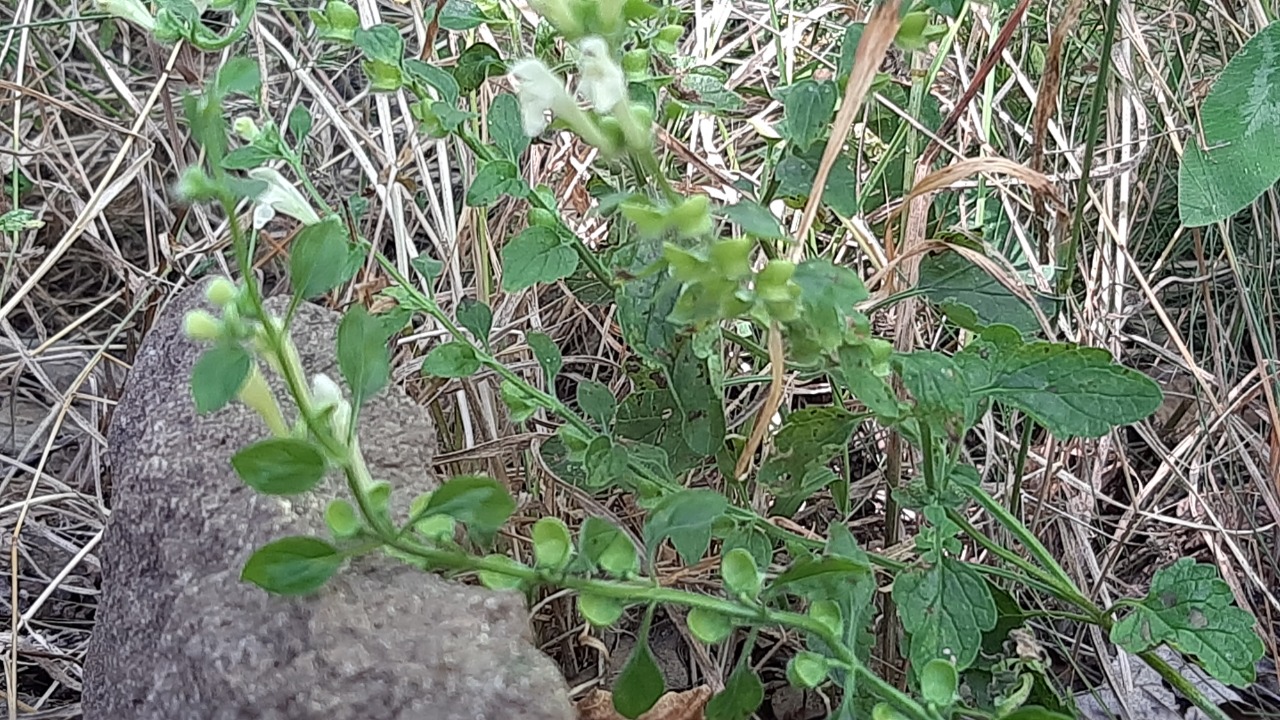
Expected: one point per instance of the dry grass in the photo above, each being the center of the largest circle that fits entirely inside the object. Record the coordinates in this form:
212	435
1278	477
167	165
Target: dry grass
93	130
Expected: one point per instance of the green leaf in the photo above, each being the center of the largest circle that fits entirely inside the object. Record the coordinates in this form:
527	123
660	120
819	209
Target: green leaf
247	157
552	544
945	609
709	626
498	580
280	466
218	375
807	670
740	574
522	405
807	107
754	219
457	15
742	694
686	518
1071	390
383	77
1189	607
506	131
476	64
597	401
433	77
1238	124
538	254
599	610
452	360
239	75
476	317
707	85
827	569
299	123
935	381
480	503
607	547
547	353
342	519
702	410
292	565
640	683
381	43
363	357
809	439
322	259
797	171
949	280
938	682
848	50
493	180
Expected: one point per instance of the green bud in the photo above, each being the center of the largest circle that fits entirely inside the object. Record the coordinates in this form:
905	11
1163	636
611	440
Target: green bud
776	274
911	33
666	39
635	63
692	218
542	217
685	266
200	325
732	258
649	220
383	77
222	292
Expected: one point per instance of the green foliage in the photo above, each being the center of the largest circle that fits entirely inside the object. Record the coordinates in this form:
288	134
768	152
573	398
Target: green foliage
971	298
685	518
945	609
322	259
480	503
1233	157
280	466
363	357
808	106
536	255
454	359
743	692
218	376
476	317
292	565
640	683
547	353
1192	610
493	180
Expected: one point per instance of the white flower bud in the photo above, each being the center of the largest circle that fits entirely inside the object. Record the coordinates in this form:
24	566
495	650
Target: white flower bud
325	392
603	83
539	92
132	10
200	325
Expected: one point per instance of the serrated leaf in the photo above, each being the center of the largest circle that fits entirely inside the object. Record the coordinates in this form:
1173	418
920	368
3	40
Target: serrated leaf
536	255
597	401
292	565
280	466
506	130
945	609
381	43
640	683
809	439
451	360
480	503
476	317
218	375
949	279
743	692
1073	391
934	380
493	180
685	517
1189	607
547	353
754	219
807	108
797	171
322	259
363	357
1237	124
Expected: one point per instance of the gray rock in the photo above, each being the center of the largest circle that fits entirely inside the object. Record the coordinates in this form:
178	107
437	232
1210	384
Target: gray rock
180	637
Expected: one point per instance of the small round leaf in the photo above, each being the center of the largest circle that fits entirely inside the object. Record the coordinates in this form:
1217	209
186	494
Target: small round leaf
342	519
498	580
292	565
280	466
807	670
552	544
738	568
599	610
938	682
827	612
708	626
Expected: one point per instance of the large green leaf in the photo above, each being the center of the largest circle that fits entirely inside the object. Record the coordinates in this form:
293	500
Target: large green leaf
536	255
1073	391
945	609
1192	609
1239	125
971	297
809	438
685	517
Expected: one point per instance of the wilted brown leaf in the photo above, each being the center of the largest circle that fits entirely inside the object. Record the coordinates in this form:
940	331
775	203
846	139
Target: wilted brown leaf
687	705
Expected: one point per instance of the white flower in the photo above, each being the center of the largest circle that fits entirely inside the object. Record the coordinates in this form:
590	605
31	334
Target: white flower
540	92
279	196
132	10
603	83
325	392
